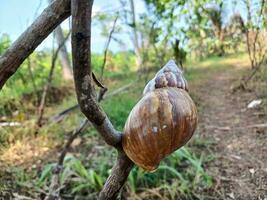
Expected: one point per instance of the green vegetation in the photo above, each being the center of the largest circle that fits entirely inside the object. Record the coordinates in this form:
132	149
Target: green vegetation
181	174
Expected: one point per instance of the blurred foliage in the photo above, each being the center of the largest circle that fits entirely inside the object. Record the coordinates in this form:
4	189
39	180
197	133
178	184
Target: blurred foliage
4	43
20	86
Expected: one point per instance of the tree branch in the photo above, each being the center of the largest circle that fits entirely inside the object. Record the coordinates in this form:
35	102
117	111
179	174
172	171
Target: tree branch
54	188
50	18
86	95
117	178
107	46
81	54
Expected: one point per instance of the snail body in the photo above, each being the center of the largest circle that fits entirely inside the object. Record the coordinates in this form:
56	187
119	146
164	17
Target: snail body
162	121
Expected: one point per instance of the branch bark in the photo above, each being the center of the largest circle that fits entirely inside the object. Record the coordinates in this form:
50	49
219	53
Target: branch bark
81	35
117	178
86	95
50	18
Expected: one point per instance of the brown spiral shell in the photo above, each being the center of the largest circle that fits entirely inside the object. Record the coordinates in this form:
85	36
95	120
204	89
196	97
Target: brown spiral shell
162	121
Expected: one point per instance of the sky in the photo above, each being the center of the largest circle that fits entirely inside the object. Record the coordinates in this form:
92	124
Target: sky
17	15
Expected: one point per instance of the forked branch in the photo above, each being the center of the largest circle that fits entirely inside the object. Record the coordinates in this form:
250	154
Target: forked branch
81	55
86	95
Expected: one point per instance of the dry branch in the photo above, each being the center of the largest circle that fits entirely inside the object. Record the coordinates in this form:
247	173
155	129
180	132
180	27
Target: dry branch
228	128
116	180
103	90
86	95
58	117
54	188
50	18
264	125
107	46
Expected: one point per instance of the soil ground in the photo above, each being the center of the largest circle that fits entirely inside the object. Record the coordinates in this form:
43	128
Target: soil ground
240	147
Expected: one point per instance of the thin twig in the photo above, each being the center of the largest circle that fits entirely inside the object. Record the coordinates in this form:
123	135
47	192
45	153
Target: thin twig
107	46
48	84
54	188
228	128
58	117
32	79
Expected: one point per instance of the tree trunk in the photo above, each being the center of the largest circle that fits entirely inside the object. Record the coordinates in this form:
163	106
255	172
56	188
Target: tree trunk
63	53
137	50
221	45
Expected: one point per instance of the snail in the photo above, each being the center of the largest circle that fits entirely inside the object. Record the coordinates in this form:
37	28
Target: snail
163	120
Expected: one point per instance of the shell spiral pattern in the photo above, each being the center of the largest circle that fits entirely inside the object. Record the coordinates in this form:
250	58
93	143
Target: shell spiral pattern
169	76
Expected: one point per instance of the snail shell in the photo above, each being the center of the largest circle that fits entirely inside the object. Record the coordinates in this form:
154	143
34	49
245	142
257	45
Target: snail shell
162	121
169	76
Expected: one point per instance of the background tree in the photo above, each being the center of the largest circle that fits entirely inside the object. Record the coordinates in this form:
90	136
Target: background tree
215	13
63	53
255	34
254	30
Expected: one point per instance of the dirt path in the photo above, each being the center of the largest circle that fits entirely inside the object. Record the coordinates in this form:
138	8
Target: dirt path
240	153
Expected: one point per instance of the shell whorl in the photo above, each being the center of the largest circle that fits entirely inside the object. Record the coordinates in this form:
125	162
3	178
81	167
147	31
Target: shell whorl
169	75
